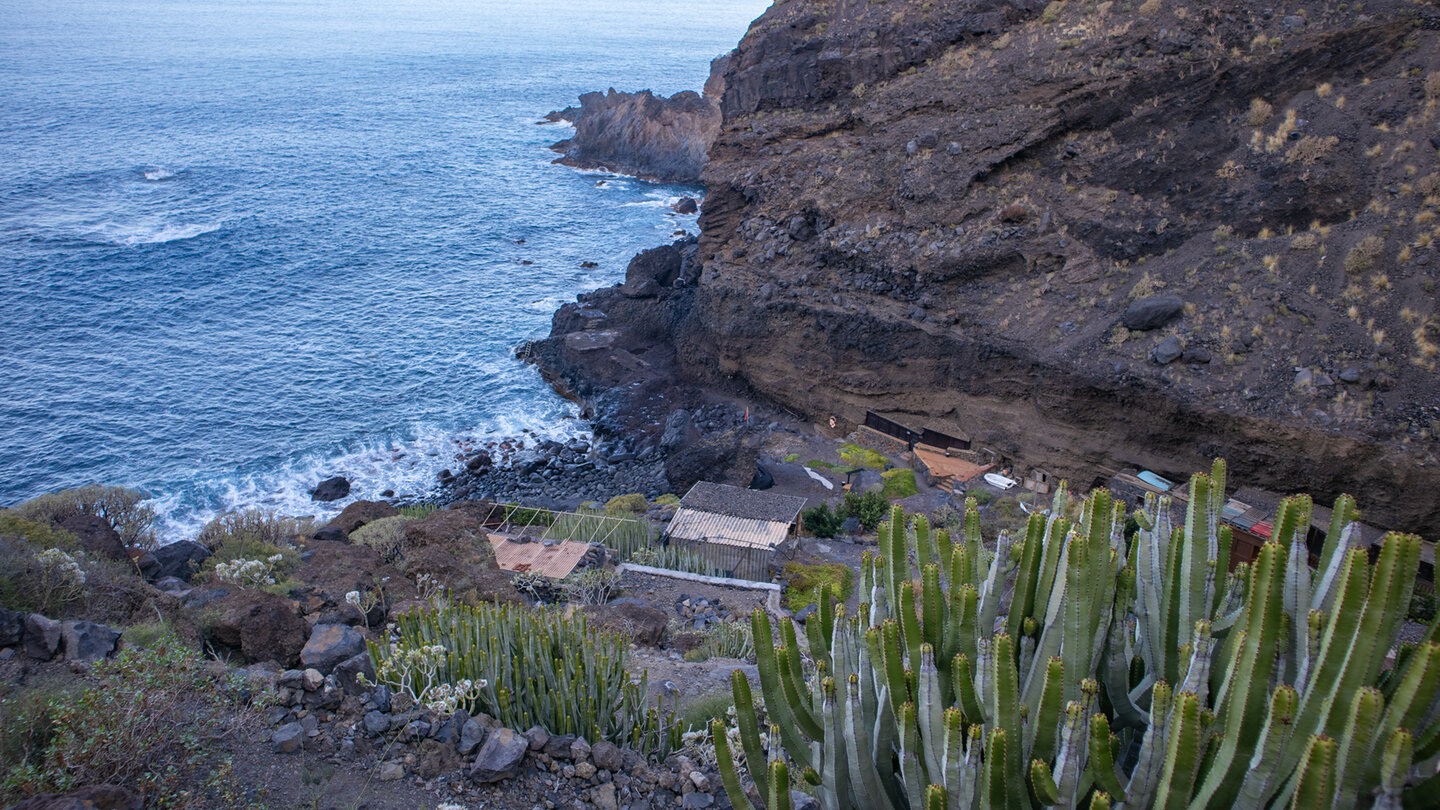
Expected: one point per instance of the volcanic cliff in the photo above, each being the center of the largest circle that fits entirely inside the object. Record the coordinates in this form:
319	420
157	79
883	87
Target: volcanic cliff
942	212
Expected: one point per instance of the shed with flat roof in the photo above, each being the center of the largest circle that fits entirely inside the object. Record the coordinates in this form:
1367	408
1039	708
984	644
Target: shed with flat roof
739	530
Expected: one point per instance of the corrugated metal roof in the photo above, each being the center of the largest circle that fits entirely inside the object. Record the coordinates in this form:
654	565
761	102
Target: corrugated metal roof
744	503
555	562
695	524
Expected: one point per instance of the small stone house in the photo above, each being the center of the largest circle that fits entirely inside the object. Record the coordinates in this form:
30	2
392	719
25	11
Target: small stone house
738	530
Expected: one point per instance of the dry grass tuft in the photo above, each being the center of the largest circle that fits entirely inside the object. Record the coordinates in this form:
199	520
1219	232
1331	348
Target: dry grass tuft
1260	112
1362	257
1311	148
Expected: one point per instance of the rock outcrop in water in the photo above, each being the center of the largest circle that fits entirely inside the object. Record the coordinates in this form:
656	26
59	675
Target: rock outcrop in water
944	214
650	136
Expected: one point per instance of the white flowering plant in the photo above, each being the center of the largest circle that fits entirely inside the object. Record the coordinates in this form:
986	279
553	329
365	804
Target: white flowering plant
60	579
414	673
364	601
249	573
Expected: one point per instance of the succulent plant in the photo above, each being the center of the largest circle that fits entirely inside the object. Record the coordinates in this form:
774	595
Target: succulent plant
539	667
1072	668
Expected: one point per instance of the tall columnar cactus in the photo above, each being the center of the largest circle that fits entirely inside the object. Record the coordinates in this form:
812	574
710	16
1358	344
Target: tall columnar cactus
1074	667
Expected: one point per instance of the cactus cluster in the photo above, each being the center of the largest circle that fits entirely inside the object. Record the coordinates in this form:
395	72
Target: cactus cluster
1075	667
537	667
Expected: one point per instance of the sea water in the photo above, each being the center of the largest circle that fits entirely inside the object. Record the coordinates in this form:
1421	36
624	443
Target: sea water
248	245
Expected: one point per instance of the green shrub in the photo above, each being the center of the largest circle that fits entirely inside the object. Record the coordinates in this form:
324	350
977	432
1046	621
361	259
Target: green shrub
593	586
417	511
791	458
48	581
146	634
899	483
239	549
1422	607
39	535
623	505
386	536
821	521
804	581
122	508
730	639
149	722
981	496
870	508
27	725
817	464
696	715
251	525
857	456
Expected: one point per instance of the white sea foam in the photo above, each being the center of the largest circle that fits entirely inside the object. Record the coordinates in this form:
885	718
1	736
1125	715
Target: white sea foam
408	468
159	173
131	234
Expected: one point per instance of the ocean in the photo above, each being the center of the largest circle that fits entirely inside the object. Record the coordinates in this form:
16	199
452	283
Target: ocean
245	246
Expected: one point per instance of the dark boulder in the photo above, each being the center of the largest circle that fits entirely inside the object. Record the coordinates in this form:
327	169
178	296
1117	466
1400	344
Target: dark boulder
90	797
331	489
762	478
42	637
685	205
288	738
87	641
500	756
679	430
329	645
1153	312
558	746
724	458
180	560
1168	351
359	513
642	623
472	736
607	755
97	536
261	625
348	673
12	627
331	534
657	266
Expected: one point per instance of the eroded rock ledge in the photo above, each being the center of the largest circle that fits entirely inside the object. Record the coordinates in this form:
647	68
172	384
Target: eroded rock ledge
642	134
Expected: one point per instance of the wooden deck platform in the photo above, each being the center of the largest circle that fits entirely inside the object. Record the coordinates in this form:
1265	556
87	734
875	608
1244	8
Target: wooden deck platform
554	561
948	470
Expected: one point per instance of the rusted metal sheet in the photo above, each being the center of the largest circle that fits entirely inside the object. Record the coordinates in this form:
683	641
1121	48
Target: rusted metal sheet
555	561
693	524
